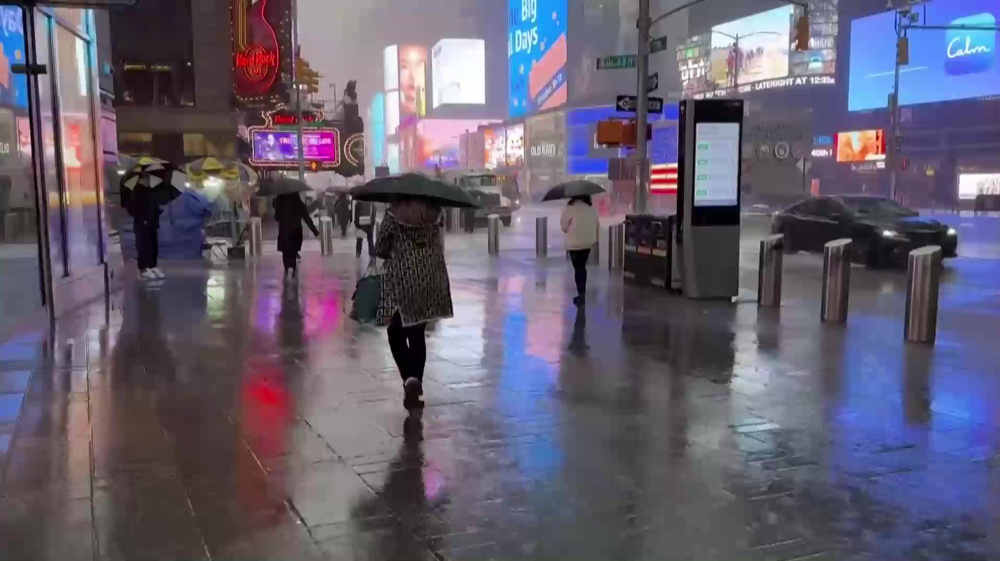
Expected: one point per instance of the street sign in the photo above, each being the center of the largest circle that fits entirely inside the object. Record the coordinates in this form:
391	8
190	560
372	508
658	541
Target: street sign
616	62
658	44
653	82
629	103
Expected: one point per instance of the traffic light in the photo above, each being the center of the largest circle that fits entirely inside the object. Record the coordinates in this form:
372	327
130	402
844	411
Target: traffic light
802	33
903	51
307	78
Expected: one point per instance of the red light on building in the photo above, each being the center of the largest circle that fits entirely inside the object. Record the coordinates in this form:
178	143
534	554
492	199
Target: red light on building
663	178
257	50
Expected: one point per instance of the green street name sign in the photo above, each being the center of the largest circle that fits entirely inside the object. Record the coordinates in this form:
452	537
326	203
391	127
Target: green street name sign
616	62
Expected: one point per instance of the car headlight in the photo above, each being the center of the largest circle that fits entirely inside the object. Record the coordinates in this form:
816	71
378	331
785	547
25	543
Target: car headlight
952	232
890	234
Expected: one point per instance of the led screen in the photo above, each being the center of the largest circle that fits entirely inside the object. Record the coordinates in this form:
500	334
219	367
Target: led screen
274	147
412	83
438	141
458	71
515	145
536	55
861	146
971	185
584	156
717	164
392	112
496	147
13	87
390	68
752	49
945	65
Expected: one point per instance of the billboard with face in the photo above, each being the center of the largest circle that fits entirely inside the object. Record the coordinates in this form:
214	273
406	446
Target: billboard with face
412	82
537	53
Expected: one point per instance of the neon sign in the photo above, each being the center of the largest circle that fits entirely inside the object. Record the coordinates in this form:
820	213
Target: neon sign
257	52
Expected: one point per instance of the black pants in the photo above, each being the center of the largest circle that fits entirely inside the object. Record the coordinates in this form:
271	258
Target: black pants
409	348
371	246
469	219
343	228
290	259
146	243
579	258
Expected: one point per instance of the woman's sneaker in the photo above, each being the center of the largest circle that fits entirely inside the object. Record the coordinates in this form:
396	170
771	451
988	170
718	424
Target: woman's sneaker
147	275
159	274
412	390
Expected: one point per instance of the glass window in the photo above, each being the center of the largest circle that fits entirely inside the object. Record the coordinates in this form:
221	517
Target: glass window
82	201
155	85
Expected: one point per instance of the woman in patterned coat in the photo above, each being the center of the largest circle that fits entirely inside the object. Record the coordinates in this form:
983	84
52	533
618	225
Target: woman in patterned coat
415	286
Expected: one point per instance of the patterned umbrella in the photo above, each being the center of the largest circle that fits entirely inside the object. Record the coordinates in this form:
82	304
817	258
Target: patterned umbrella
159	176
238	179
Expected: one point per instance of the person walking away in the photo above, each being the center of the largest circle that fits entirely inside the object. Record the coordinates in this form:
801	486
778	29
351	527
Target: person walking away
469	219
415	287
342	209
364	221
142	206
290	212
580	222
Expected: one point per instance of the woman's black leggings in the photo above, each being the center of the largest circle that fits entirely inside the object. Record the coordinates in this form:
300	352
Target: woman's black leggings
579	258
409	348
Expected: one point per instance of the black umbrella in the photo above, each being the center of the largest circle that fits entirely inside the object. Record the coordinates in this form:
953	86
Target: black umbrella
159	177
389	189
281	186
575	188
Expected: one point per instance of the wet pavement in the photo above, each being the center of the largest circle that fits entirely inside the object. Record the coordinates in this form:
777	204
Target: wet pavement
227	415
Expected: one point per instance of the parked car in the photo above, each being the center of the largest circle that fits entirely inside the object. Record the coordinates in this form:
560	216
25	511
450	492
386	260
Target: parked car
883	231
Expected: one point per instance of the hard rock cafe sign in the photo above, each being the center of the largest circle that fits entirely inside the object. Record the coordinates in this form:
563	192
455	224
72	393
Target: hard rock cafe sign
257	49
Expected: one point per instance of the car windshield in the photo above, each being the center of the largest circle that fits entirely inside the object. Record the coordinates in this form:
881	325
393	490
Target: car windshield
484	183
875	206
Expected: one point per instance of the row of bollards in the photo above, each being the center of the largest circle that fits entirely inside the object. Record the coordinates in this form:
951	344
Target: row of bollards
616	244
922	286
326	236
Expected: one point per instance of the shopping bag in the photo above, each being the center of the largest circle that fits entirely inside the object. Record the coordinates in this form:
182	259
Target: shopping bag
364	308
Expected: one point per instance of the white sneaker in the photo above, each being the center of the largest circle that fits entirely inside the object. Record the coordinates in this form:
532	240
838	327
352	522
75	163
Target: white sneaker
147	275
159	274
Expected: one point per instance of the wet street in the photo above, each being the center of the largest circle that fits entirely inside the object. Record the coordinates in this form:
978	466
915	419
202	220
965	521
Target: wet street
224	414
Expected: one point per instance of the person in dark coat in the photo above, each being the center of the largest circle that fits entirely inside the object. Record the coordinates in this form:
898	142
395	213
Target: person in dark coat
342	209
415	287
364	221
290	212
144	208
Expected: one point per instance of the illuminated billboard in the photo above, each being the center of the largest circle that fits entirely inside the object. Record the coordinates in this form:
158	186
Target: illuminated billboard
515	146
755	53
458	71
436	142
584	156
495	139
260	49
277	148
537	54
390	68
861	146
412	83
945	65
14	88
971	185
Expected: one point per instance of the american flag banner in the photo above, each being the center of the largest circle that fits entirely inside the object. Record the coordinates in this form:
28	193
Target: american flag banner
663	178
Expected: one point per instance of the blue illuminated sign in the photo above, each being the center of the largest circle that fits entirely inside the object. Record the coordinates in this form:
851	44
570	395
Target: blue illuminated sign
537	53
585	157
945	65
13	90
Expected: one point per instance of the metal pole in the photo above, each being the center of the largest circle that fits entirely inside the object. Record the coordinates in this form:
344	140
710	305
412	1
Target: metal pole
493	236
642	117
541	236
836	281
770	271
326	236
256	237
298	91
616	247
922	289
595	250
894	116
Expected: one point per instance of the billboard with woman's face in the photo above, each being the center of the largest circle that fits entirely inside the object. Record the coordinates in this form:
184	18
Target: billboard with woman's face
412	82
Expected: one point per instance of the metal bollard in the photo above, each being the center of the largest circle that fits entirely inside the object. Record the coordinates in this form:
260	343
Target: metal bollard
595	250
541	236
770	270
494	234
616	247
326	236
451	219
256	237
836	281
922	289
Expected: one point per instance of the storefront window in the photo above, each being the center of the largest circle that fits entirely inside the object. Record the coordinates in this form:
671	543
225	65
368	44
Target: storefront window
20	289
83	217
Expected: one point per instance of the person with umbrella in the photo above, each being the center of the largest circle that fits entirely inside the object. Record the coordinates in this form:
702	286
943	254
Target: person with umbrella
149	185
415	288
342	210
290	212
579	221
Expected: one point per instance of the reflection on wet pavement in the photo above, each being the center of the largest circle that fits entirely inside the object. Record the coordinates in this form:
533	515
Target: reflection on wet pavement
227	415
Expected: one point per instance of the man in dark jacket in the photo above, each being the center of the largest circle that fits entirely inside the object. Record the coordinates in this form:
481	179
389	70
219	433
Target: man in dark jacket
144	208
342	208
364	221
290	212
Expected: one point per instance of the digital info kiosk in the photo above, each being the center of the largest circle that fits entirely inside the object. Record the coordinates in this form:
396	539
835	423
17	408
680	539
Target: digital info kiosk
708	198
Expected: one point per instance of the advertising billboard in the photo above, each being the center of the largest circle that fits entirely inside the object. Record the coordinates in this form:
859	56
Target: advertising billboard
971	185
753	48
458	72
861	146
496	147
945	65
412	83
515	146
279	148
436	143
537	55
390	67
584	156
546	142
13	89
261	49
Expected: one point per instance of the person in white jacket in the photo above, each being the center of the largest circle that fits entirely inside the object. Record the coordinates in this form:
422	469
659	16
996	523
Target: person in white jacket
579	222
